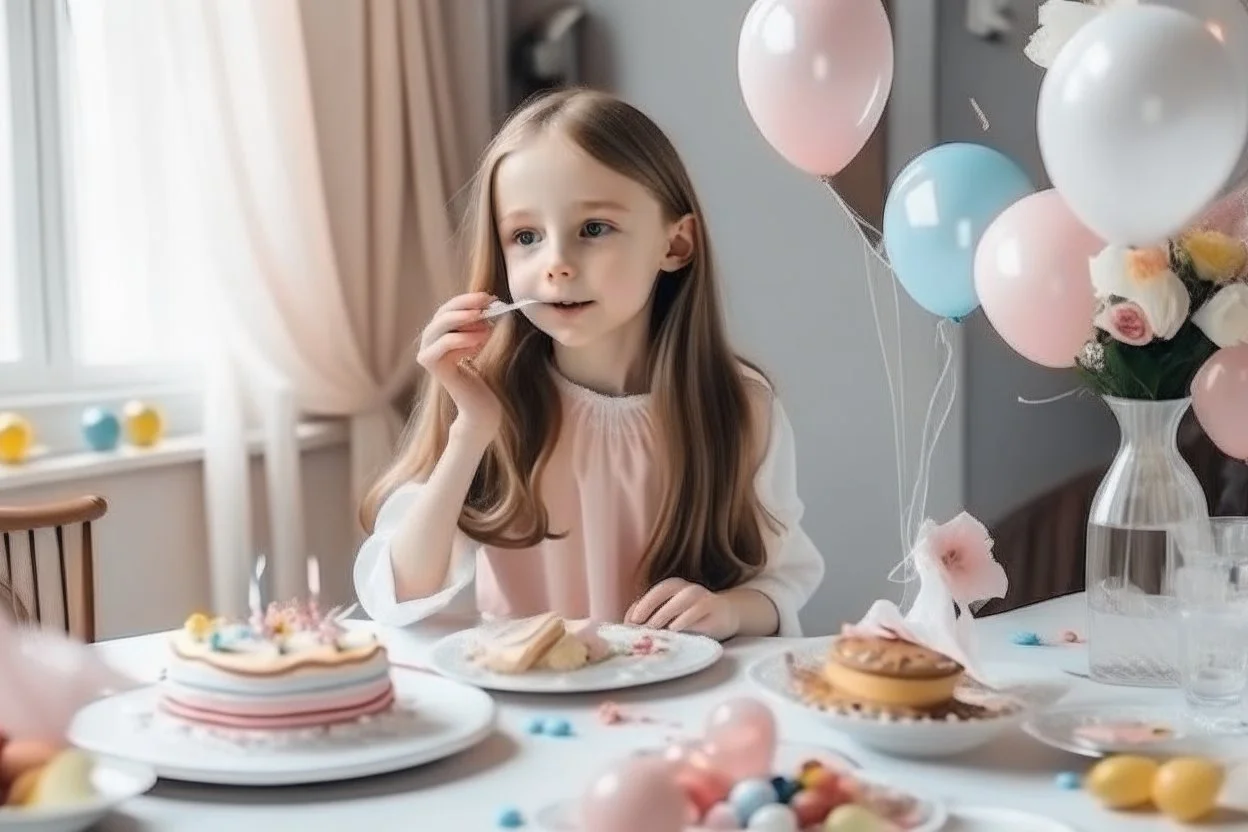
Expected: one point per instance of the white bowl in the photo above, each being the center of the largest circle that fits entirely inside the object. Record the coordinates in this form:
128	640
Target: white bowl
116	781
1033	688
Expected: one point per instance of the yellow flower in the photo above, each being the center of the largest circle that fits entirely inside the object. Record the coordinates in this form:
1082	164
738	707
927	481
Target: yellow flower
1216	257
198	626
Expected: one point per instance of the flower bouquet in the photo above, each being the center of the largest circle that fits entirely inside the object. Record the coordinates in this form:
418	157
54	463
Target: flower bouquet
1163	312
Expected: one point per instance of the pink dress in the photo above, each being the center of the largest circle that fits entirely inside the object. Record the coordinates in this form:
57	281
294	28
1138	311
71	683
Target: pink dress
602	488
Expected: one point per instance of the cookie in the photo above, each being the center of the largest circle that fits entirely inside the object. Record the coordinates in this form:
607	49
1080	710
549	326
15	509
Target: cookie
891	672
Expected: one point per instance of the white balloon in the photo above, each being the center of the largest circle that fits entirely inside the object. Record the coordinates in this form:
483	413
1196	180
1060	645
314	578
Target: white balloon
1141	122
1228	21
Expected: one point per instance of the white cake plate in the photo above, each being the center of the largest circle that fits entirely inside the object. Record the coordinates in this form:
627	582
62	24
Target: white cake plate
436	718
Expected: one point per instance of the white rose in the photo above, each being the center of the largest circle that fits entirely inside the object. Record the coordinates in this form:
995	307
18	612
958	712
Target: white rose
1224	317
1144	279
1059	20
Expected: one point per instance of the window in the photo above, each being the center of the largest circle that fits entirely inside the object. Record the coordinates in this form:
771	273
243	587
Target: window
95	290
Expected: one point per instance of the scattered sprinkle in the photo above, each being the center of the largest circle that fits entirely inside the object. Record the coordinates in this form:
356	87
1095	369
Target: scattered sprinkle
612	713
1026	639
1071	637
1068	780
510	818
536	725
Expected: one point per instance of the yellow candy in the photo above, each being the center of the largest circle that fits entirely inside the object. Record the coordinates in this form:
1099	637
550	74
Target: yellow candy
851	817
16	437
1186	788
144	424
1122	782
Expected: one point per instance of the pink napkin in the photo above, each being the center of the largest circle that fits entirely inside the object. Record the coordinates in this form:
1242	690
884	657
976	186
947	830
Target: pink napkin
955	568
45	678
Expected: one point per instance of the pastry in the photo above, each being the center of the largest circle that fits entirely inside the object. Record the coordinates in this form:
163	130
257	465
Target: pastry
891	672
541	642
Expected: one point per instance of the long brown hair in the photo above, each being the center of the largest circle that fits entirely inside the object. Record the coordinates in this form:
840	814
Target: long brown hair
709	525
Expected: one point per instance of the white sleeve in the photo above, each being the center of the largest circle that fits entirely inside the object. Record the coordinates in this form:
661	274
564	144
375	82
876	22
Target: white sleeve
374	576
794	567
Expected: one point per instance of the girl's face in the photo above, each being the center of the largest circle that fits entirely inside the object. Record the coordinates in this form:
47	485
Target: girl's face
586	241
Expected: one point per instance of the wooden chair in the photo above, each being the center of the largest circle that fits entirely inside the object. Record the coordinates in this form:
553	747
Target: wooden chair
48	566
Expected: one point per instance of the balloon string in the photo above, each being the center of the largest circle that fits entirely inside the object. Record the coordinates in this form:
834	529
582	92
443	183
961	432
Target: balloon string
933	427
896	397
1072	392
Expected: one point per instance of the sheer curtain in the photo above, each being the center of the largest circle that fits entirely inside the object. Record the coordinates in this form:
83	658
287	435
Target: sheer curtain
312	293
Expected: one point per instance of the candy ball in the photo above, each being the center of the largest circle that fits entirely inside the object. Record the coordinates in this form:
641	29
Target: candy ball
558	728
1026	639
785	788
721	816
811	807
1186	788
748	796
100	429
537	725
1123	781
16	438
640	793
774	818
144	424
853	818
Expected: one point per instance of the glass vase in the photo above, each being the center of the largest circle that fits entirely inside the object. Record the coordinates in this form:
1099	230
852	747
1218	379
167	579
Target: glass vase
1147	494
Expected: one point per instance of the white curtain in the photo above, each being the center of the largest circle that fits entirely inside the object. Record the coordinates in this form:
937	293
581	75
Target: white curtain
309	311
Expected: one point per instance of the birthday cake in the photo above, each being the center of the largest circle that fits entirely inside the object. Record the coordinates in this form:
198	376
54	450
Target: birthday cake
292	668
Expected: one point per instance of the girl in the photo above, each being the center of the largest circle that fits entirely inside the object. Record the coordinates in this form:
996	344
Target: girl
601	453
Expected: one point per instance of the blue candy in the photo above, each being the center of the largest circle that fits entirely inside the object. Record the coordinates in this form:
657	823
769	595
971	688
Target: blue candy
748	796
1068	780
510	819
1026	639
785	788
536	725
558	728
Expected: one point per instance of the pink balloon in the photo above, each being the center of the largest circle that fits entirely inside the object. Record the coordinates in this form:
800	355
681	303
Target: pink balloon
741	739
1031	275
640	793
815	76
1220	400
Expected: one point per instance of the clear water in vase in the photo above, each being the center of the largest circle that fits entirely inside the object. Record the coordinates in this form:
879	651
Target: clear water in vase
1132	614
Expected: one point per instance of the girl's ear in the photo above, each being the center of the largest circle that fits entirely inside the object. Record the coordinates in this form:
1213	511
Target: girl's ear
680	243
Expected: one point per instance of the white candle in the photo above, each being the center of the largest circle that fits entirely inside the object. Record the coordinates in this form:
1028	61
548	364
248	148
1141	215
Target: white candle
314	580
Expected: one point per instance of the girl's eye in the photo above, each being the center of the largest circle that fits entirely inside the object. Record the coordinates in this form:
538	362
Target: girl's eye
525	238
594	228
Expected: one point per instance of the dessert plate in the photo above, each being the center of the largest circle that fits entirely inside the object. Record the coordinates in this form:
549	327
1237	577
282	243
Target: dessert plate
1017	691
435	718
642	656
1102	728
115	781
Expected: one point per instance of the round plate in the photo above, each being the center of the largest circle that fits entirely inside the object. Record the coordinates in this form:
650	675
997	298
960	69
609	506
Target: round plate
438	718
1033	688
115	781
984	819
684	655
562	816
1063	728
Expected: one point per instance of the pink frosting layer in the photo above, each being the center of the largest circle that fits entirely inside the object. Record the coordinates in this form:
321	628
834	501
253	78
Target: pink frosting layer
280	719
312	702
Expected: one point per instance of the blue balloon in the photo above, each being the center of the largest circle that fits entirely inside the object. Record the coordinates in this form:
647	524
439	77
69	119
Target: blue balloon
101	429
936	213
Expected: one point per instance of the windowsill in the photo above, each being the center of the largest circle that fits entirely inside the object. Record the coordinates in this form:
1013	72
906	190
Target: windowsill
177	450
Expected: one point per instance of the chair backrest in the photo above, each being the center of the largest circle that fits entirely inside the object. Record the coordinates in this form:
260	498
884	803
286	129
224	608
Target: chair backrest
47	562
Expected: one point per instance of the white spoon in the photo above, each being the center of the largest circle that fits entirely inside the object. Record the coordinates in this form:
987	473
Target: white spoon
498	308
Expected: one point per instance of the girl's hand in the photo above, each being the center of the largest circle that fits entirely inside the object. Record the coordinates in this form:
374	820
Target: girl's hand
455	333
677	604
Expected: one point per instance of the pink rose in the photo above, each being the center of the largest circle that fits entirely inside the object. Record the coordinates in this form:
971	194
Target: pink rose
1127	323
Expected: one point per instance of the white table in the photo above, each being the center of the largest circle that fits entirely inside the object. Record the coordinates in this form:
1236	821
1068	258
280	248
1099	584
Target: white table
466	792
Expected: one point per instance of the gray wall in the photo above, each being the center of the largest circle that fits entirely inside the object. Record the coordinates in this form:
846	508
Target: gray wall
1014	451
793	273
